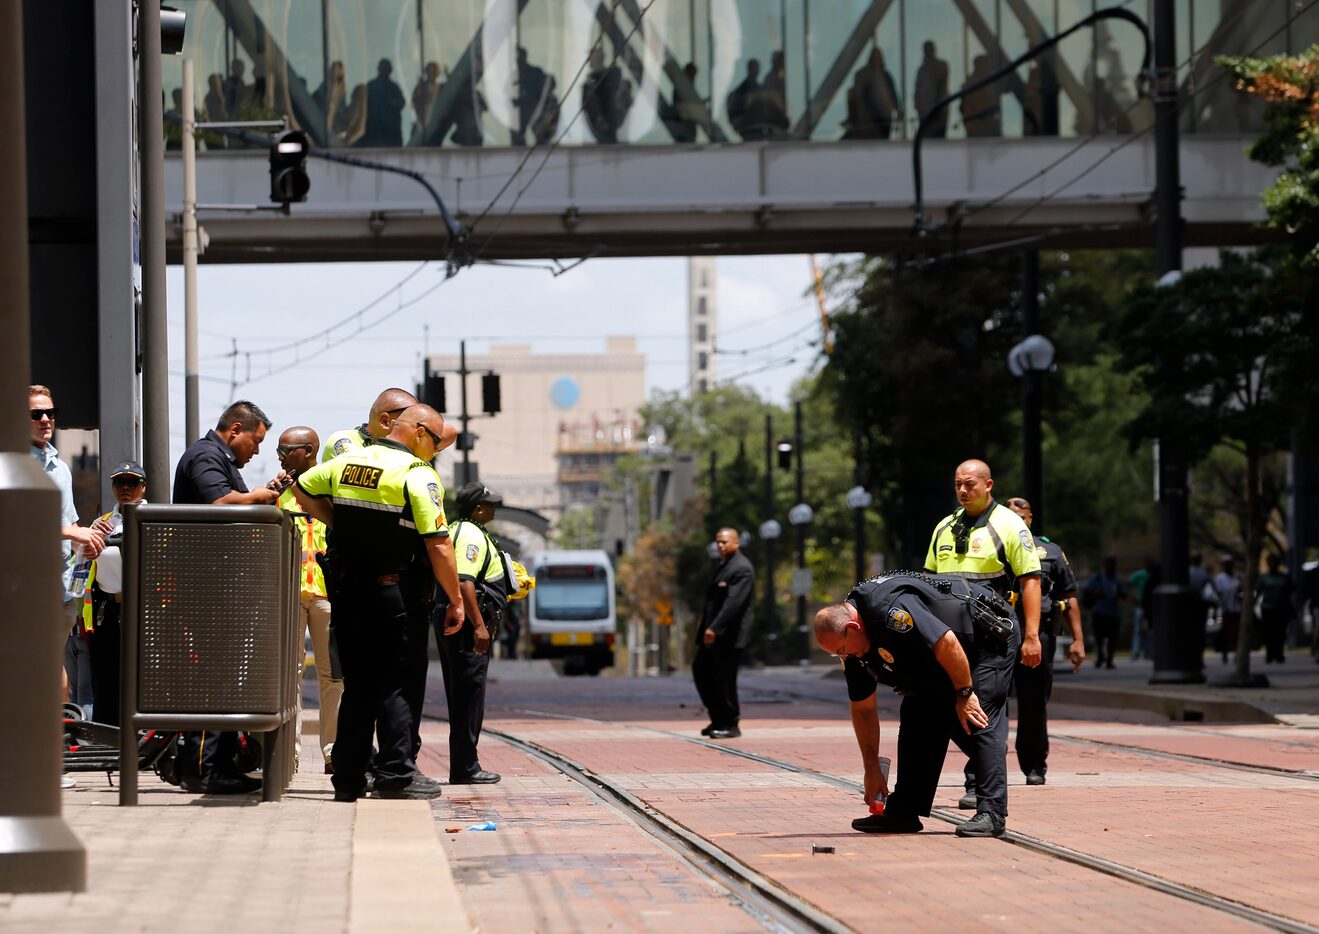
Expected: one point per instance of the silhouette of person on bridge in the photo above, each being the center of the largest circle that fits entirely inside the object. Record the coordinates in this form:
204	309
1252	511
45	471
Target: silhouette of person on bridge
932	87
384	109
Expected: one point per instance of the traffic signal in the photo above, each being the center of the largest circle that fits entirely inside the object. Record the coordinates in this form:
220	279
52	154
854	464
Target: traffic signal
173	24
432	392
490	393
288	167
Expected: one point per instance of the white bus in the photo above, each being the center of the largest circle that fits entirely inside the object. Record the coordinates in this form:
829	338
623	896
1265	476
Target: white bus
571	612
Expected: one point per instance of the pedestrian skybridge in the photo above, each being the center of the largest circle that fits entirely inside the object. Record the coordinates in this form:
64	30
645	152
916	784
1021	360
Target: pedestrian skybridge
560	128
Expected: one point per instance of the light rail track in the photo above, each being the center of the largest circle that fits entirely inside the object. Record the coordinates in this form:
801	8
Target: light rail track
1094	863
775	908
1133	748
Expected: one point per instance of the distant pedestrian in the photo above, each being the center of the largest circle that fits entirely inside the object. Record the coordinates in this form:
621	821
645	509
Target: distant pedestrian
1276	609
1103	594
1141	590
981	115
384	108
1227	585
932	87
722	635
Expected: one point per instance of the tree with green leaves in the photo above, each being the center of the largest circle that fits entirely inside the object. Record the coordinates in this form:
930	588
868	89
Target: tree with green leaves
1206	351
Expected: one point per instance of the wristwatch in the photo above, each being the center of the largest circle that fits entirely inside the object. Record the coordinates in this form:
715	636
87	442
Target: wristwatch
966	692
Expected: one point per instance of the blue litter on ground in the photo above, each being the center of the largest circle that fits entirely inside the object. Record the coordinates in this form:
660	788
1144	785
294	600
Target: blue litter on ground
484	825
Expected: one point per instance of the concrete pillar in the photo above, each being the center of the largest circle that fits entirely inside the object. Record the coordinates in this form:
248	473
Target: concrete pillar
38	852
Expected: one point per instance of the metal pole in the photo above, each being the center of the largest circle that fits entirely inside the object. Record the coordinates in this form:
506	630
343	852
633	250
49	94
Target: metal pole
155	350
191	369
771	619
802	633
1032	383
38	852
463	417
858	515
1178	635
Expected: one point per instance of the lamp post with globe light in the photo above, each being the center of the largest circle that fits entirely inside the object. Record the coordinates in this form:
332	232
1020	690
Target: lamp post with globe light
1030	360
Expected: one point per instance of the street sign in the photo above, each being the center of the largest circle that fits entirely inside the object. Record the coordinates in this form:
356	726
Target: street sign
802	581
664	613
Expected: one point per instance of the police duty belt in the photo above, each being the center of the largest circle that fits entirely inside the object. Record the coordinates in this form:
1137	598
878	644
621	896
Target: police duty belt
990	613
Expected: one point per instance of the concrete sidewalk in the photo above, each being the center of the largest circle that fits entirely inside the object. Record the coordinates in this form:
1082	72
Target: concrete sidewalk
195	863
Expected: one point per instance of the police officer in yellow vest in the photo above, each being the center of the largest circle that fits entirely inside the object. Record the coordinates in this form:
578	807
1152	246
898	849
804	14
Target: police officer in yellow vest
465	655
385	506
297	454
991	545
387	407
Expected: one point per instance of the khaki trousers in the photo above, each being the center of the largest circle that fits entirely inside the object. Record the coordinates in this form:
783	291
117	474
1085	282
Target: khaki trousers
315	612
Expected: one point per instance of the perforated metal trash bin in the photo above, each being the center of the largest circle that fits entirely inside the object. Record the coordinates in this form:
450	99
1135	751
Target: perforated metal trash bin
209	632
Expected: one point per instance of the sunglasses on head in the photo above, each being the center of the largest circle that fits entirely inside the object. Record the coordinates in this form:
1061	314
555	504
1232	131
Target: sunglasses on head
51	413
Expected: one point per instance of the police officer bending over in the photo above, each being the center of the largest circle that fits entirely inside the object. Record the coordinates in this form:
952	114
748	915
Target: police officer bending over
947	645
384	503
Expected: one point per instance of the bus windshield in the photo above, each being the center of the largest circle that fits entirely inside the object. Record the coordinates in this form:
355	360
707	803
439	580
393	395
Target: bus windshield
571	600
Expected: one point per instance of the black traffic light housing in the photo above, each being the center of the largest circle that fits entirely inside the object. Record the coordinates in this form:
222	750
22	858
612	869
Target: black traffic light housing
288	167
785	455
173	24
490	394
432	392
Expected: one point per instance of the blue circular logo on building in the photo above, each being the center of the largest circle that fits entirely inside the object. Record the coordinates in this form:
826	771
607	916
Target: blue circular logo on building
564	392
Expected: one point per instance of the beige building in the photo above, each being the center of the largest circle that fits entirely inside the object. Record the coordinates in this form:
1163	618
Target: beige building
551	403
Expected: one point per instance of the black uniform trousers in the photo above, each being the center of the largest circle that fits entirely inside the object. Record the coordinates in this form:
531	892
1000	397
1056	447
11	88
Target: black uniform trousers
929	720
714	669
370	621
414	688
105	659
1034	686
464	671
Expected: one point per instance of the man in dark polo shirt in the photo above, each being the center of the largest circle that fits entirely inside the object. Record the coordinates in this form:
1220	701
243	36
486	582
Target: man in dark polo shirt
208	475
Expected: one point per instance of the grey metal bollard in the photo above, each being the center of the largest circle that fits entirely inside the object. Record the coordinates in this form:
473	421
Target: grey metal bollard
209	629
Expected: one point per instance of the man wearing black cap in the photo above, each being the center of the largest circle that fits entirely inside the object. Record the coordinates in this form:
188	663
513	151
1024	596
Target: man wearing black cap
465	655
101	613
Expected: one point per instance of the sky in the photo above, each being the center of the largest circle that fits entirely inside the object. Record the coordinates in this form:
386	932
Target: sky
767	329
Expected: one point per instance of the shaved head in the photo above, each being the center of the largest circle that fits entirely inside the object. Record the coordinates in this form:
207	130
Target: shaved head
420	428
727	542
300	434
387	407
972	483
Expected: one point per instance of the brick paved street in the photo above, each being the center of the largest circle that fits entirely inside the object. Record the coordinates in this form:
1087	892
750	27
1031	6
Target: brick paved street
563	860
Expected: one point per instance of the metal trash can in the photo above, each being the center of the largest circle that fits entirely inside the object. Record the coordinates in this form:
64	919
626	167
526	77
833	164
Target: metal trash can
209	631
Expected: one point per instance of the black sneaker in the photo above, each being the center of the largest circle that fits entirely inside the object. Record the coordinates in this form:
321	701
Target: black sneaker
406	793
731	732
888	822
984	824
1034	777
221	785
707	729
967	802
480	777
425	782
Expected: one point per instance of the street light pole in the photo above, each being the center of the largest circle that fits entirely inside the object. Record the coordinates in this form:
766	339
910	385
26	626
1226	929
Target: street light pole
801	539
38	852
155	348
1032	383
1178	635
191	366
771	618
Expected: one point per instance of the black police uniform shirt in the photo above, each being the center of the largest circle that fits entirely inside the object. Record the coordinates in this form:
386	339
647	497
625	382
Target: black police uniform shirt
1056	579
206	472
902	633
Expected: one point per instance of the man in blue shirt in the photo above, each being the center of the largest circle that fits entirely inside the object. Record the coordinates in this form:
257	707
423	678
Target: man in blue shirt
1104	593
41	407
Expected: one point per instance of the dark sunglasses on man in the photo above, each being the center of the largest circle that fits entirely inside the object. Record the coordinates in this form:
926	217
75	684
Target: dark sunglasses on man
51	413
127	482
284	450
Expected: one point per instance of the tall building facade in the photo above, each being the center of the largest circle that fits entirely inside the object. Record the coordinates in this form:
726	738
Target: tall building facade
582	405
702	317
